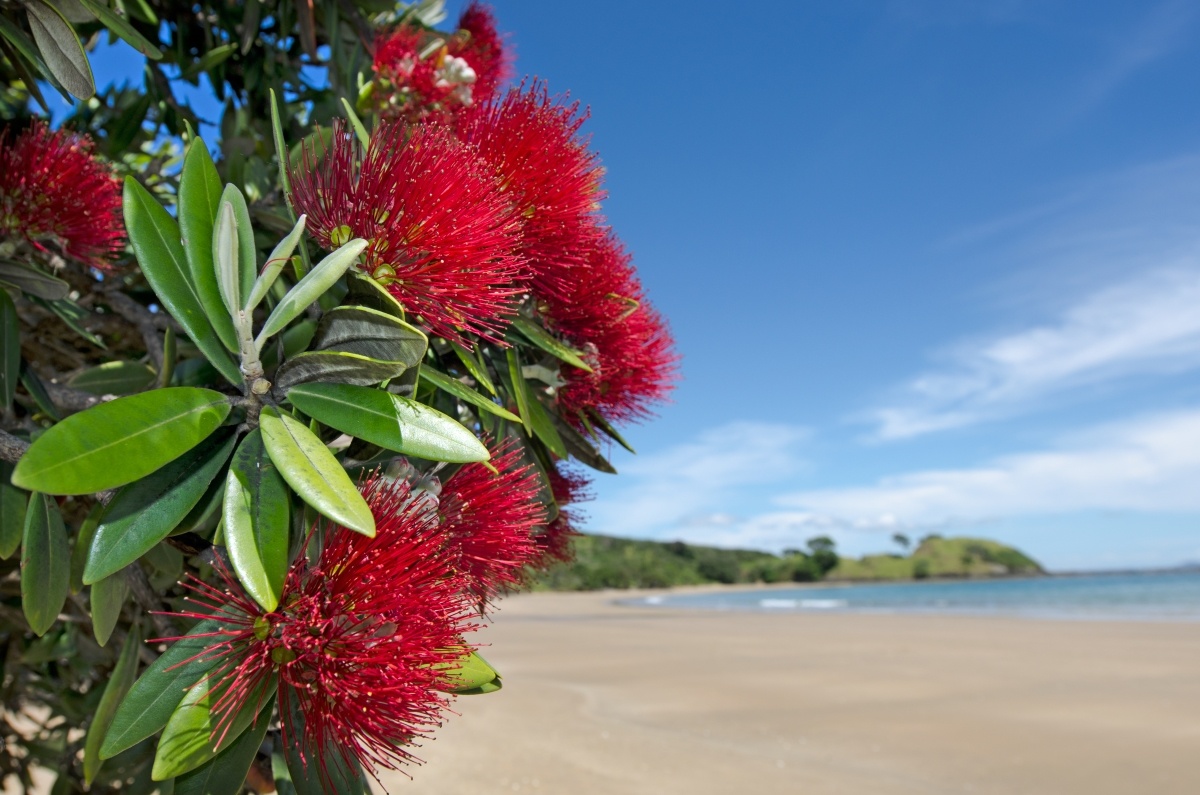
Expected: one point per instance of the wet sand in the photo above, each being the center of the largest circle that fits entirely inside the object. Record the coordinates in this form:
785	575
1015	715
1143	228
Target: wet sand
607	700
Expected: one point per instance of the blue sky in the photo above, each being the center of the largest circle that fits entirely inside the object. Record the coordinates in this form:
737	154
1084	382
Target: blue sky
932	266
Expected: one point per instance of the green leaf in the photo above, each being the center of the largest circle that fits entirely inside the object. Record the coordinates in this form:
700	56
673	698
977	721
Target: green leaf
121	441
226	259
314	773
154	236
10	356
16	37
257	521
464	392
37	391
578	445
544	428
365	291
280	256
108	597
170	354
32	280
145	512
370	332
60	47
520	391
608	429
154	696
364	137
114	378
211	59
45	563
310	288
471	673
83	543
247	263
193	734
225	773
72	315
389	421
334	367
281	154
474	366
12	512
313	473
199	200
118	25
547	342
119	682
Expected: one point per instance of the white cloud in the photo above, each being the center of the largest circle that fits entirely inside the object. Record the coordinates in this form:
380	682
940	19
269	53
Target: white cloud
692	484
1144	325
1151	464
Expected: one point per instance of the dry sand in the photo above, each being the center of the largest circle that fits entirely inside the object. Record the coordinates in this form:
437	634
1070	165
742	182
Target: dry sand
607	700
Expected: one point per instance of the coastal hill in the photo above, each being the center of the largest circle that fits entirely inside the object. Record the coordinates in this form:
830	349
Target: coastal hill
607	562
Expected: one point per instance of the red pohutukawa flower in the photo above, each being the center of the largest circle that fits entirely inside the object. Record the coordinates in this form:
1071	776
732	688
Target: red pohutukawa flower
53	191
533	145
627	343
483	48
355	642
443	239
489	519
422	75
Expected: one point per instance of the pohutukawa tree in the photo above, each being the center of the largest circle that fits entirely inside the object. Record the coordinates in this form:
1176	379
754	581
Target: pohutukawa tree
283	417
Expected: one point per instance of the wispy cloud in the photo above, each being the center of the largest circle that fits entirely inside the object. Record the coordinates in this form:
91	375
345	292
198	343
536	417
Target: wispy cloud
1143	325
692	484
1149	464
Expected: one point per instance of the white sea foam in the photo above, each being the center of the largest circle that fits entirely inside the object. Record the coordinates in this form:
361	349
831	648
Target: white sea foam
777	604
822	604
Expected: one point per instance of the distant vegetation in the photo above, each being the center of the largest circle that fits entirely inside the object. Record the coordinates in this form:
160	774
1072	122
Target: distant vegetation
606	562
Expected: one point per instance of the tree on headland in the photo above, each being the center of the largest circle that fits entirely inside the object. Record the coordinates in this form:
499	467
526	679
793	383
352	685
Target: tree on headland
822	551
902	541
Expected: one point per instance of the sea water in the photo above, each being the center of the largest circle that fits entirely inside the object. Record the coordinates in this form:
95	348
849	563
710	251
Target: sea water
1169	596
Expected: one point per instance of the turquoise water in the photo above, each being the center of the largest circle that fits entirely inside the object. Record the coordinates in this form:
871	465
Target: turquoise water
1143	596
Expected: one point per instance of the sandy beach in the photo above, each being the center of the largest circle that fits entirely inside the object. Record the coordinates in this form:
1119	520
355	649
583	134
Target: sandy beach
602	699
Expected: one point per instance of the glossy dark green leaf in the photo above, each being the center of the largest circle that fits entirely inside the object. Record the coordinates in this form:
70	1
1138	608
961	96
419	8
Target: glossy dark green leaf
338	367
12	512
516	380
119	682
107	599
369	332
470	673
313	473
121	441
595	419
314	773
545	429
465	393
154	236
365	291
194	734
33	281
37	390
155	695
71	314
10	350
114	378
45	563
474	366
83	544
199	197
577	444
547	342
225	773
60	48
256	521
145	512
118	25
389	421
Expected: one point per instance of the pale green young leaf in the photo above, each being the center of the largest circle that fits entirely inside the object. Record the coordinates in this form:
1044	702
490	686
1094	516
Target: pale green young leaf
310	288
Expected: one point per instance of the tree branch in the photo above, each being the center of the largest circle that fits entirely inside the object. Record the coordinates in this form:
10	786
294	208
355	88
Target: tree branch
11	448
147	323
